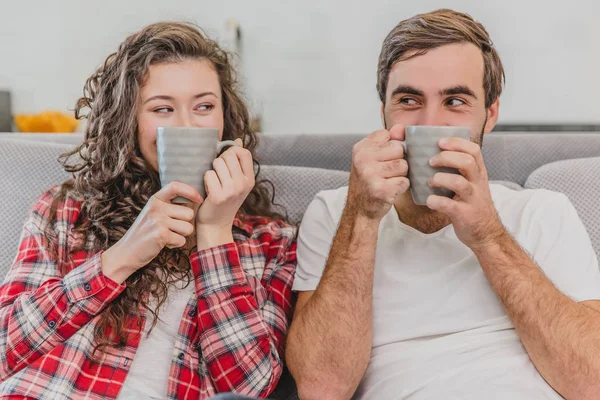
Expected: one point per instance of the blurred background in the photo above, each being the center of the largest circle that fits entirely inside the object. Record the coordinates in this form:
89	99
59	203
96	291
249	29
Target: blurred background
308	66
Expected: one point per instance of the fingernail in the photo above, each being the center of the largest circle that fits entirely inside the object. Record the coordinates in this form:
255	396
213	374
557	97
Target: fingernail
443	142
432	161
430	202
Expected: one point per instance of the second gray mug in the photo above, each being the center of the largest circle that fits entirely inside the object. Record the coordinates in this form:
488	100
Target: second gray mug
186	154
421	143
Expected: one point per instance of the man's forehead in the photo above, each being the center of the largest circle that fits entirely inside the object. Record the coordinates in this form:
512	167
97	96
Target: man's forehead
440	68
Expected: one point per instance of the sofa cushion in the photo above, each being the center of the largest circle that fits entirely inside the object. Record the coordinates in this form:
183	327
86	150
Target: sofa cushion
514	156
295	187
579	179
28	169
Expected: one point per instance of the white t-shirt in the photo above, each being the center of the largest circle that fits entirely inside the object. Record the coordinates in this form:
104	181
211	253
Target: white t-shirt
148	377
439	331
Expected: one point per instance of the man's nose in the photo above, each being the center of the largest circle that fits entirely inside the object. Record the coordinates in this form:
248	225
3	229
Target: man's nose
432	115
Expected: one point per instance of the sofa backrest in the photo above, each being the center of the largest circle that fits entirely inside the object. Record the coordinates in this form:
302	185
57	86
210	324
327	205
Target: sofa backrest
579	179
508	156
295	187
28	168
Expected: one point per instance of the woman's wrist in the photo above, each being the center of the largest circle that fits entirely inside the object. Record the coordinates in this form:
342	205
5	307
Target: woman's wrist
113	266
208	236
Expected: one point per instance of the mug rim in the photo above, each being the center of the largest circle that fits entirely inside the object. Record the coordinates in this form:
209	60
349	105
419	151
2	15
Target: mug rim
186	128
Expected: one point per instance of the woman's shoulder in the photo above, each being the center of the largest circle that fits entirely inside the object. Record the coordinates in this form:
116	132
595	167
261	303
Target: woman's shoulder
57	205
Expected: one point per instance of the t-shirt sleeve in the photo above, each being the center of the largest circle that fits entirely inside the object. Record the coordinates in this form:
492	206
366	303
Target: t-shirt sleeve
564	251
314	241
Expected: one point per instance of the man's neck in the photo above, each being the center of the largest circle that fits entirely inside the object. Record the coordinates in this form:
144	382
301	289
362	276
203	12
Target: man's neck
418	217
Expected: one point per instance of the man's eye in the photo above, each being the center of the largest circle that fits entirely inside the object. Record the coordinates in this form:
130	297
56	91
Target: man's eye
408	101
454	102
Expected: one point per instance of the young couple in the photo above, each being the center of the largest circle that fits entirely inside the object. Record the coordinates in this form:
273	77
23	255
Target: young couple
118	293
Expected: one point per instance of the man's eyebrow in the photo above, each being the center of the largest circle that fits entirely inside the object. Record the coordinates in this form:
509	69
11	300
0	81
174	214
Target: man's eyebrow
458	89
406	89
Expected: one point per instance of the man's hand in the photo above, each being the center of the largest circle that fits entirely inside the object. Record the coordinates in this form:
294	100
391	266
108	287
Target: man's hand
378	174
472	210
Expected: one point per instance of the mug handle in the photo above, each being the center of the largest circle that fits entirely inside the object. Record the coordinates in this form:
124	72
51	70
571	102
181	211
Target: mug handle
225	144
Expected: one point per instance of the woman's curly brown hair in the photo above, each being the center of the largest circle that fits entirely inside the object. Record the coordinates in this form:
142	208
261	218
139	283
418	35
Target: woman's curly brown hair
114	181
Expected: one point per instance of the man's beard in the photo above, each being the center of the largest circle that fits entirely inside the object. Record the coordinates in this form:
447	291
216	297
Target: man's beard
479	140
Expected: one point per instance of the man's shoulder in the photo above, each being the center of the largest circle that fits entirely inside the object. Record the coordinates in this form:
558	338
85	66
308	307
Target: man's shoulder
528	206
331	201
503	195
332	196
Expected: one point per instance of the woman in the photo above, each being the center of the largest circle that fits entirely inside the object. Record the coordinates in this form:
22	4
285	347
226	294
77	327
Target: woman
118	293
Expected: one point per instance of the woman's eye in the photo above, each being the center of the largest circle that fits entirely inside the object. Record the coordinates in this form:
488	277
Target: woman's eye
205	107
163	110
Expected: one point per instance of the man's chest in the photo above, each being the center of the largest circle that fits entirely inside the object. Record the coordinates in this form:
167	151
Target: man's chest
430	287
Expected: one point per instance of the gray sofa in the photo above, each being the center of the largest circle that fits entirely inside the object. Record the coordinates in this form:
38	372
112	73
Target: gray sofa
301	165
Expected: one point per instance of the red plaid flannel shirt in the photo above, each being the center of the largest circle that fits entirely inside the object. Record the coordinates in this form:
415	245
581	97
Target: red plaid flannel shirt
230	337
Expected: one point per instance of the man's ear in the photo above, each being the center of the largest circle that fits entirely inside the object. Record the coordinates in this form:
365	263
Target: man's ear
383	116
492	116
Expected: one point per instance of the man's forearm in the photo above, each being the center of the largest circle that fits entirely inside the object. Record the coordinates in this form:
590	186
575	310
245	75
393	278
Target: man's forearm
561	336
329	344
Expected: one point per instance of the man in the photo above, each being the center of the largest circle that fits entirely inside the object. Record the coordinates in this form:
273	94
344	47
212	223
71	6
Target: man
491	294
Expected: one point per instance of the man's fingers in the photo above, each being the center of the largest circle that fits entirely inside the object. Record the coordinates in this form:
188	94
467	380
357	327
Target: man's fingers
379	136
397	132
391	150
394	168
463	162
445	205
396	187
455	182
463	146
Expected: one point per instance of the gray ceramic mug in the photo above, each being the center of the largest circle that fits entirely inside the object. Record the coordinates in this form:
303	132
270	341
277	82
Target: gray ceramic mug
186	154
421	143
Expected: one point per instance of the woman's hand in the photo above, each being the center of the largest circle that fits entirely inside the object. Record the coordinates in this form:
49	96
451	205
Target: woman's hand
160	224
227	186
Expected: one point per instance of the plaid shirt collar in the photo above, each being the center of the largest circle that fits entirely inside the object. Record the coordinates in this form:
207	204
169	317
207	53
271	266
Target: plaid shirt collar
244	225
